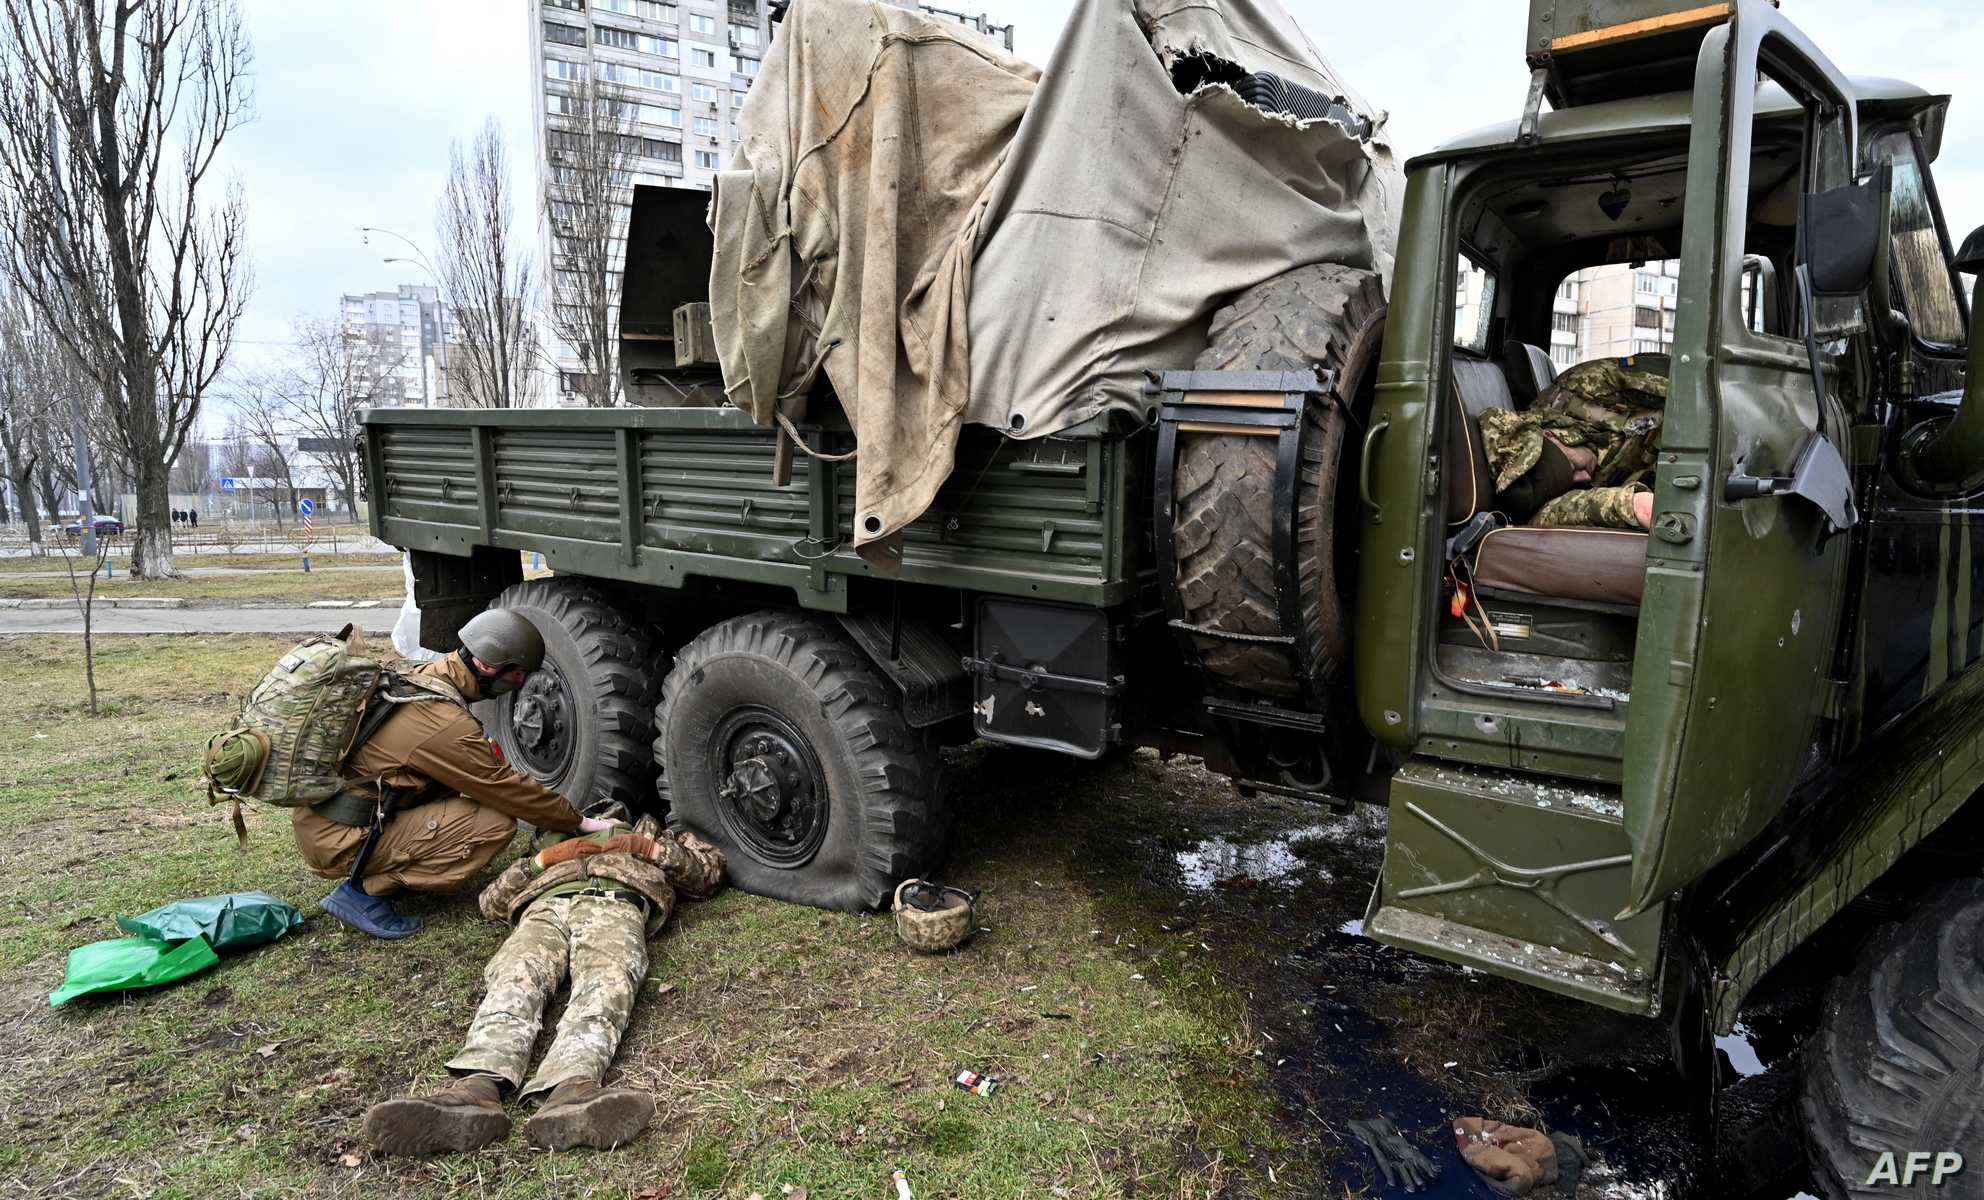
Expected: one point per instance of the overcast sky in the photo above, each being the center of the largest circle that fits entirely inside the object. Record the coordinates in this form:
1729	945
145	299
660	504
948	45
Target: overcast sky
358	101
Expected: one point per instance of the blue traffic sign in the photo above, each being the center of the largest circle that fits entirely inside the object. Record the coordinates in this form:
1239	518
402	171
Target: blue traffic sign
306	506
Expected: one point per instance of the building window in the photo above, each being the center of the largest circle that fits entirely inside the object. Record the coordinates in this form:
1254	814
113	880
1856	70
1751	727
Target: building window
564	35
1565	322
737	99
565	141
655	114
558	68
666	47
654	11
747	67
1645	317
702	58
746	35
734	135
706	159
617	6
664	151
698	23
568	5
654	81
702	91
706	126
619	39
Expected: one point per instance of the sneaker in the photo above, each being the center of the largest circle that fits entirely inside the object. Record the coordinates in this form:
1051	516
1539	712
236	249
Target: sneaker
368	914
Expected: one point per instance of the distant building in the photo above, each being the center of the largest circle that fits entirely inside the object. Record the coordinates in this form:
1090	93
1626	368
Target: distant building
405	327
1626	309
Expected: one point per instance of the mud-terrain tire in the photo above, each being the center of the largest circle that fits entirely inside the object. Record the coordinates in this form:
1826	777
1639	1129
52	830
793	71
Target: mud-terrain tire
763	713
1898	1061
583	725
1224	513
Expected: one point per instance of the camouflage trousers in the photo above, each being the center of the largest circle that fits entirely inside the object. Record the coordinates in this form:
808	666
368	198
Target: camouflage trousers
1609	507
604	943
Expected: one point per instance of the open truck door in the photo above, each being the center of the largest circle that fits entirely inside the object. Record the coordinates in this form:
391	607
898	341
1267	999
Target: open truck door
1752	484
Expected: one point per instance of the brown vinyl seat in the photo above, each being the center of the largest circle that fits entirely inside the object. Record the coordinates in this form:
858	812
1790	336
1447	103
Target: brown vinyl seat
1599	566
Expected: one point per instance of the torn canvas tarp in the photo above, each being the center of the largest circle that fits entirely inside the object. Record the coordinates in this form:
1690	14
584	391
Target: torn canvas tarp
908	212
844	232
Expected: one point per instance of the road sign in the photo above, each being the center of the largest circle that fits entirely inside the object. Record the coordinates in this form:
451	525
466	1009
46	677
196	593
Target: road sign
307	507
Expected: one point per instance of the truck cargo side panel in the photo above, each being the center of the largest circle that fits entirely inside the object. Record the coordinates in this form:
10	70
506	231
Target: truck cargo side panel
663	496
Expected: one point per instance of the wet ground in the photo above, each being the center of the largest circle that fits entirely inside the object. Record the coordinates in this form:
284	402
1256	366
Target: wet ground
1349	1029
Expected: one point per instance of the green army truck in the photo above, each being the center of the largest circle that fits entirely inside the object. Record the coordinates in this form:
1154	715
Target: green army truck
1636	768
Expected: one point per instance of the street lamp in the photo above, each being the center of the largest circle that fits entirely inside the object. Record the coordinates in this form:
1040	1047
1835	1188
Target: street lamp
440	292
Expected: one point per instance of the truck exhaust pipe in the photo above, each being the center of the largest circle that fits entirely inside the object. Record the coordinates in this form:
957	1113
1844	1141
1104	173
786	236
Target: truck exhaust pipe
1951	454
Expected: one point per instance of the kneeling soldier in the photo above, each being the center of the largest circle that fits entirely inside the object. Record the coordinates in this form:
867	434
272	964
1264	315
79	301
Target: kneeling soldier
587	905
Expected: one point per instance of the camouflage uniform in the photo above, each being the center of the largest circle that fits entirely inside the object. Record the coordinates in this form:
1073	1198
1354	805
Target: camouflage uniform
1613	407
563	925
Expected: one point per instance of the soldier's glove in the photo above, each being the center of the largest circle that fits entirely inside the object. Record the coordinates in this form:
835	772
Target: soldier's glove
1399	1161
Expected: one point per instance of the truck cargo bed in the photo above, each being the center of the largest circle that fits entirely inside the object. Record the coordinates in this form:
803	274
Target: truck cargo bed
662	496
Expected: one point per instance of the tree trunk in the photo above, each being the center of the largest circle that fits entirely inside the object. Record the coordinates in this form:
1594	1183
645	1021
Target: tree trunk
24	494
151	536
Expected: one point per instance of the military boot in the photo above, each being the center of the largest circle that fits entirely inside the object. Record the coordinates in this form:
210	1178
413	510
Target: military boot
466	1115
581	1113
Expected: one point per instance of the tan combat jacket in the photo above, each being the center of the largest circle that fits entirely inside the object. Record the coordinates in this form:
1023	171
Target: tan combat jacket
434	750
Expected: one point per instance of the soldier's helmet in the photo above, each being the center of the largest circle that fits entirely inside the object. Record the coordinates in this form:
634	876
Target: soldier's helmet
931	918
504	639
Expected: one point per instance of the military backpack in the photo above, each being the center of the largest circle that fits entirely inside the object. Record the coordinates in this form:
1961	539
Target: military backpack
319	703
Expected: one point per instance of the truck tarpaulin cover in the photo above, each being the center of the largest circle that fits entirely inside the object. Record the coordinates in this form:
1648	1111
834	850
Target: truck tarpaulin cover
953	236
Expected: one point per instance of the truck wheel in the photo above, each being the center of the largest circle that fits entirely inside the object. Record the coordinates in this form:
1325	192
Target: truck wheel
582	725
778	742
1321	315
1897	1065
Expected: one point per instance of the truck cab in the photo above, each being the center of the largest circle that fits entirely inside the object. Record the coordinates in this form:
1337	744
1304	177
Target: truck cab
1618	745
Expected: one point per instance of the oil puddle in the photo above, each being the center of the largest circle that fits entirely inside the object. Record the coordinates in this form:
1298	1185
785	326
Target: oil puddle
1218	862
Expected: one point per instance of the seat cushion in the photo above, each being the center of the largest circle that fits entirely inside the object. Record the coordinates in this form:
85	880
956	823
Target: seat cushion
1602	566
1479	385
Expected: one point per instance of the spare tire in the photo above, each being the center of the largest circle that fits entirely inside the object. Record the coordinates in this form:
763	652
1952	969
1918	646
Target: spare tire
583	724
1322	315
1897	1066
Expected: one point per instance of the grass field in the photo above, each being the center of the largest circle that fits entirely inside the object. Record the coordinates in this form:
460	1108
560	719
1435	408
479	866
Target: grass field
785	1045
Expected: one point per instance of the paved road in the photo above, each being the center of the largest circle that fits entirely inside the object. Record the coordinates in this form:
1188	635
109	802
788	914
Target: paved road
200	620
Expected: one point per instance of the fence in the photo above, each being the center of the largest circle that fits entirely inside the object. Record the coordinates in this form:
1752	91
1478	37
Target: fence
217	537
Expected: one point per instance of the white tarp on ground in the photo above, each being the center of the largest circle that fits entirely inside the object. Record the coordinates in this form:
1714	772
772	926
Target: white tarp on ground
910	213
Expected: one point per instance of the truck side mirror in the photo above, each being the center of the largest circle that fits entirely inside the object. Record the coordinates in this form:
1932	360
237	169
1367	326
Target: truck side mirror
1843	229
1970	259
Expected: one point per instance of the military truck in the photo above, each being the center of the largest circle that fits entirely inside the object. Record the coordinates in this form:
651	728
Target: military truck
1636	768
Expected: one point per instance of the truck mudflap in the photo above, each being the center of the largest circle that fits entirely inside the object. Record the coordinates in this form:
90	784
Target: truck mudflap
1519	875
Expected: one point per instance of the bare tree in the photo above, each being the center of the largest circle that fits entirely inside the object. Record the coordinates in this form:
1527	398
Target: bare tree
262	423
29	361
489	278
85	598
335	373
193	470
587	209
112	113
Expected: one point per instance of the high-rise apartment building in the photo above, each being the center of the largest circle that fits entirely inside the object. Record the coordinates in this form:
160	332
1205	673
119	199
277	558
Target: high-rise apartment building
1627	309
403	332
676	73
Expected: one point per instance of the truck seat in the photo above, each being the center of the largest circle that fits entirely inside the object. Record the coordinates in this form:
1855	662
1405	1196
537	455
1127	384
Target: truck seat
1530	371
1601	566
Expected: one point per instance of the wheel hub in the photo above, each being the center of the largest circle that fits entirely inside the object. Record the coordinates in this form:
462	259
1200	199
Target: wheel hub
772	791
541	720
